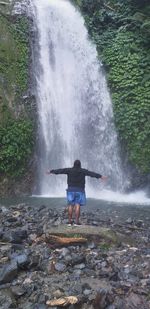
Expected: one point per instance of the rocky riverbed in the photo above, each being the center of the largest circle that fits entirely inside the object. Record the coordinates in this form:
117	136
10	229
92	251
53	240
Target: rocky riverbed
102	264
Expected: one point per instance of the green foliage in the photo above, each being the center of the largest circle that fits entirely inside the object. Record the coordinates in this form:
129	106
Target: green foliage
91	6
16	135
121	30
14	55
72	235
19	31
105	246
129	79
16	143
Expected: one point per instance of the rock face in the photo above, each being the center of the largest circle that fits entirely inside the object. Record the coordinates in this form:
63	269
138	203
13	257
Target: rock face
110	270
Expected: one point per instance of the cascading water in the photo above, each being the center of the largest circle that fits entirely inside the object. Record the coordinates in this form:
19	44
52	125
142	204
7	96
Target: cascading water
74	106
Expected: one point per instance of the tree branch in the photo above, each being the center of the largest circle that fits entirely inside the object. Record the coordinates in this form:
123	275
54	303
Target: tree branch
109	7
3	3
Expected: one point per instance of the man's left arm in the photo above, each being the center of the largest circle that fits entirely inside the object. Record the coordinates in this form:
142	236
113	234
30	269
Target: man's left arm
95	175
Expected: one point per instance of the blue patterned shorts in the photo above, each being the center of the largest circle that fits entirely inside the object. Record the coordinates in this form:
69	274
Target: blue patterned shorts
74	198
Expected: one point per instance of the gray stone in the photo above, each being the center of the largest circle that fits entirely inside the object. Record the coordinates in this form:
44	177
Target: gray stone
77	273
86	306
27	305
55	307
18	236
87	292
134	301
60	267
40	306
17	247
35	261
18	291
5	249
68	259
65	252
8	272
77	259
6	300
80	266
1	233
140	223
57	222
42	298
22	260
129	221
91	245
4	209
6	237
95	223
104	264
11	219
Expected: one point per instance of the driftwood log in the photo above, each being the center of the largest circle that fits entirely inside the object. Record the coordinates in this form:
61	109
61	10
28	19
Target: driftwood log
64	301
61	240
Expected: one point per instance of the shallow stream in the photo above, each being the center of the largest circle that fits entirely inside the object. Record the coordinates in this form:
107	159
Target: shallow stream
119	212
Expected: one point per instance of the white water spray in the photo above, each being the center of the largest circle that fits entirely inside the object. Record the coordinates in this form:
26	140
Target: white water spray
74	106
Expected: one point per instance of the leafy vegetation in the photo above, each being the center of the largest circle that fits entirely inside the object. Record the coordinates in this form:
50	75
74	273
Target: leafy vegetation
128	78
105	246
121	31
14	53
16	130
20	33
15	146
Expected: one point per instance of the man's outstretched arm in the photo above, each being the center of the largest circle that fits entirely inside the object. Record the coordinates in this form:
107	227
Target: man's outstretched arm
58	171
95	175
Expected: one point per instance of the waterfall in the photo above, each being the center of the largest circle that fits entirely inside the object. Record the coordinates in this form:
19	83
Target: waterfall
74	104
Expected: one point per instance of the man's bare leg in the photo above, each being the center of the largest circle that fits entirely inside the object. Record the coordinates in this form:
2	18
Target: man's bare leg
70	213
77	213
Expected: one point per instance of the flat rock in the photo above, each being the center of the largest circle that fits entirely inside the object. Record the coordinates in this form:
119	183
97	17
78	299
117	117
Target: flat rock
83	230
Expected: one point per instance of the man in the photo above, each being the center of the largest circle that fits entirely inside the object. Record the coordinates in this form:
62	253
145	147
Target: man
76	187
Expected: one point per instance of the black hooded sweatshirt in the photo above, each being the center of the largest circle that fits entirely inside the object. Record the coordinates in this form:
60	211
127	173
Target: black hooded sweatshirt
76	176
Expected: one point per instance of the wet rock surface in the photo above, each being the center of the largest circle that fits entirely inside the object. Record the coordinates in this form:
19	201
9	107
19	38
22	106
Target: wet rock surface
46	264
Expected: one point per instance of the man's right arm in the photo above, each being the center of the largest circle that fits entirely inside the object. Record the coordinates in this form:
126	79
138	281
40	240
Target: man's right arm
59	171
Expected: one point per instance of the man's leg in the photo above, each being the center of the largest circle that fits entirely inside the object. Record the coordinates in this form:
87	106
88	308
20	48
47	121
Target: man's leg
70	213
77	213
70	202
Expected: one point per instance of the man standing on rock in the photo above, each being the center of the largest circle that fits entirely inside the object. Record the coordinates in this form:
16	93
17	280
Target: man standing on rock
76	187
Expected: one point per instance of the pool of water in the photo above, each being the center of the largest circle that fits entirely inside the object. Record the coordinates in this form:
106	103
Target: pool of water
119	212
